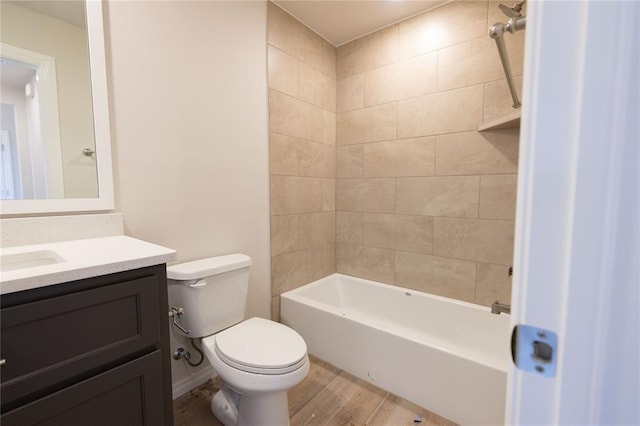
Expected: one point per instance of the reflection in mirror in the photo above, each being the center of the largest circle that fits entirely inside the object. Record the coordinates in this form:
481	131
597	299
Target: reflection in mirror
47	134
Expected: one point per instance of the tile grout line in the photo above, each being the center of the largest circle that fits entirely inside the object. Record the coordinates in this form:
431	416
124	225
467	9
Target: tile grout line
377	409
346	401
317	395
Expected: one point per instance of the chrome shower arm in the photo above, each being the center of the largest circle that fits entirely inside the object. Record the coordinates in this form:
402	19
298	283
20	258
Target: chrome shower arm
516	24
496	32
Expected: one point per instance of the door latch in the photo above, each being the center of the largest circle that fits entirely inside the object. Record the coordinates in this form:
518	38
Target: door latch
534	350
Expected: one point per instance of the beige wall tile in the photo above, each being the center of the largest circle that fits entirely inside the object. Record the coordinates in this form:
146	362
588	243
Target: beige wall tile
472	62
349	227
291	195
515	47
365	262
498	196
317	159
328	128
447	25
283	72
280	29
492	283
328	195
497	98
489	241
291	117
366	53
309	47
292	270
437	275
407	79
453	111
275	309
382	84
284	114
316	87
283	155
349	161
284	234
404	157
291	36
398	232
371	124
324	260
317	229
374	195
350	93
310	124
418	76
439	196
328	59
477	153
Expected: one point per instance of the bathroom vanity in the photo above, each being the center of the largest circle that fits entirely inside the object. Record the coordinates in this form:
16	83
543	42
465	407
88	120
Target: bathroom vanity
85	340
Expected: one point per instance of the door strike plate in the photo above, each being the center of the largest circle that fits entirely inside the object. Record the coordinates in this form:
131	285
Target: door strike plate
534	350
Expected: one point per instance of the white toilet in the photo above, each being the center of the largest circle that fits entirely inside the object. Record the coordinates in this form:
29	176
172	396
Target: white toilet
258	360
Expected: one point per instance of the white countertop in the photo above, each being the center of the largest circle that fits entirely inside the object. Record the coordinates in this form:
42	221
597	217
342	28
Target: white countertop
83	258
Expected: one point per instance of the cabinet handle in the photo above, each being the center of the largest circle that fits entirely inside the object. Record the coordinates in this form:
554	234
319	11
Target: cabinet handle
3	361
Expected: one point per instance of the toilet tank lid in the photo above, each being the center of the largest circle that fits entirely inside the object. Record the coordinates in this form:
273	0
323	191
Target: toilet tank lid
206	267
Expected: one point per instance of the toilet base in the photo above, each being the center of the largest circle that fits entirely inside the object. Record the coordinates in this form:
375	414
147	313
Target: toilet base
224	406
261	409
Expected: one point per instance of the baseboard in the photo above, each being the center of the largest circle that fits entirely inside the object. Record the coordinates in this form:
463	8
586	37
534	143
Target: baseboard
183	386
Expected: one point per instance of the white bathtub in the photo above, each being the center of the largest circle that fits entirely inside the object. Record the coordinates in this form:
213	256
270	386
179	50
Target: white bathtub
447	356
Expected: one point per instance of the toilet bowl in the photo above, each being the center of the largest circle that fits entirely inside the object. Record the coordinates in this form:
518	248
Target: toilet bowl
259	374
258	360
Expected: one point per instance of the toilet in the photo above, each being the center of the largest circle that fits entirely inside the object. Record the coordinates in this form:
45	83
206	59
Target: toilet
258	360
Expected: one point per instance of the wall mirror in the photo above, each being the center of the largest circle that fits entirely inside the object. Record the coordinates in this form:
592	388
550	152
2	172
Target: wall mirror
56	154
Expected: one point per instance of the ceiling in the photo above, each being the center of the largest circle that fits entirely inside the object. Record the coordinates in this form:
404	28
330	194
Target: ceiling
340	21
70	11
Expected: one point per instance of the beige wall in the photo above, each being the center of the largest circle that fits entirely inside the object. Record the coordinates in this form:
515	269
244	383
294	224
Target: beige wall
302	104
188	99
25	28
423	200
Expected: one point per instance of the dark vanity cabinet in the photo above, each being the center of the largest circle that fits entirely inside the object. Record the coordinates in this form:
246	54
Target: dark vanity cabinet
88	352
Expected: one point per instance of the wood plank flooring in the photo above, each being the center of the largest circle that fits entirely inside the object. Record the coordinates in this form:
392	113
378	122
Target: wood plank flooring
327	396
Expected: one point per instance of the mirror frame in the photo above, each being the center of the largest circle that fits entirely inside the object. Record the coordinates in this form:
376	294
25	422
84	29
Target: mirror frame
105	199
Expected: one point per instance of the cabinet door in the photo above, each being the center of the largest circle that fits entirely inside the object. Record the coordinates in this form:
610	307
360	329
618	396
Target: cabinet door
51	343
130	395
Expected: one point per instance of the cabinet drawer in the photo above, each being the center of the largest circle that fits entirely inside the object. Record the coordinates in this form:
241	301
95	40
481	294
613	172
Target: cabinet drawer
54	341
130	394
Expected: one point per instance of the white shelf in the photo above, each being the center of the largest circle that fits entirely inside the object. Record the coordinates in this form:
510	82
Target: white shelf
509	121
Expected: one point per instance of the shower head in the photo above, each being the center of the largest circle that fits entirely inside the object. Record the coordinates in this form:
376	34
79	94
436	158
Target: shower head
512	12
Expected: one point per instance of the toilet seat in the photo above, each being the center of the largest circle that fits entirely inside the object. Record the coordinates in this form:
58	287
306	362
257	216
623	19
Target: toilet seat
261	346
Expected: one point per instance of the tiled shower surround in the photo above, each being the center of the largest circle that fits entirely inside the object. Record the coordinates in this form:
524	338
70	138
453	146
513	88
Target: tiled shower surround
422	199
302	151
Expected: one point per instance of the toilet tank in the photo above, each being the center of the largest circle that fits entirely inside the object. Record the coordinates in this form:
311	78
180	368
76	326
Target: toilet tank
212	292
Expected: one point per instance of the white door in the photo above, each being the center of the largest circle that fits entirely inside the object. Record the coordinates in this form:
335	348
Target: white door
576	261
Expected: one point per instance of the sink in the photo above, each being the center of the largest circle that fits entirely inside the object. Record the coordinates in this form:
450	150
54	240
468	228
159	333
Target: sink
32	259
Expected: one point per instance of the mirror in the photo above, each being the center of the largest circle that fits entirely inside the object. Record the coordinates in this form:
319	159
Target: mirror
56	154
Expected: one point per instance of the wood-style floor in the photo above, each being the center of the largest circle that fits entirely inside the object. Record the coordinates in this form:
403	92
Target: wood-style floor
327	396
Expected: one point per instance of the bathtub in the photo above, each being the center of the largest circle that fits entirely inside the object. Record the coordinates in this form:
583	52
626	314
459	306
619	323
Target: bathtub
448	356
